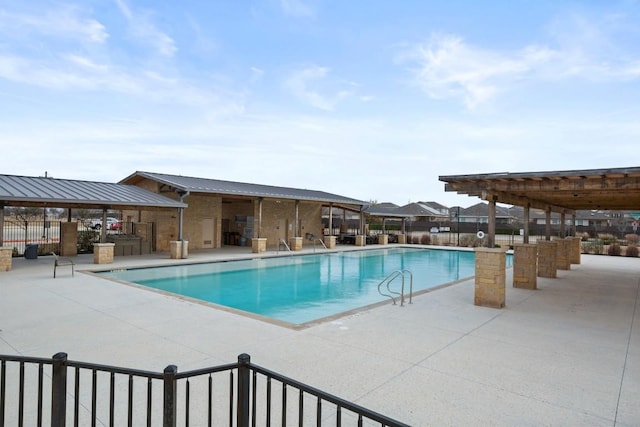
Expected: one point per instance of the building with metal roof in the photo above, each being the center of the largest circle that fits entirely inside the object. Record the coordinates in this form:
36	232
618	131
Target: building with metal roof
236	213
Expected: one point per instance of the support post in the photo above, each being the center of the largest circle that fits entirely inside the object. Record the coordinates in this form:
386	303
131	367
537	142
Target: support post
103	227
330	219
59	390
169	408
527	211
491	239
562	225
244	388
1	225
547	228
259	217
296	228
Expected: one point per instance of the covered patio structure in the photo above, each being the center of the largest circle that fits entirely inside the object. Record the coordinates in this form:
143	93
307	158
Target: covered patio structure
46	192
562	192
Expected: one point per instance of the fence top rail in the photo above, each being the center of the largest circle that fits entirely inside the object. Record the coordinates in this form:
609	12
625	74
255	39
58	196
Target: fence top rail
114	369
205	371
374	416
15	358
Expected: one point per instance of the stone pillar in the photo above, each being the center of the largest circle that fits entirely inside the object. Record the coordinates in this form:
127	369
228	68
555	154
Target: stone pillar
490	277
6	259
330	242
179	249
383	239
576	249
361	240
258	245
103	253
547	256
563	254
402	239
525	266
295	243
68	239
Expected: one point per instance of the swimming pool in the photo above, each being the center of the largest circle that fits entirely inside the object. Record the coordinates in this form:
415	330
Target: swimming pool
304	288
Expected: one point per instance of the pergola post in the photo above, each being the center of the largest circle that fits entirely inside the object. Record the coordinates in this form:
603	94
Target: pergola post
103	228
330	219
562	225
547	229
1	225
491	240
527	211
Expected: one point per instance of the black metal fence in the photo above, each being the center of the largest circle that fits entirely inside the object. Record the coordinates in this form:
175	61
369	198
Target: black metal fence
19	234
60	392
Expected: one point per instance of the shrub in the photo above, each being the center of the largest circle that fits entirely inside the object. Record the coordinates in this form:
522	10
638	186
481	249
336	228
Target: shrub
632	239
614	250
425	239
594	247
470	241
632	251
583	236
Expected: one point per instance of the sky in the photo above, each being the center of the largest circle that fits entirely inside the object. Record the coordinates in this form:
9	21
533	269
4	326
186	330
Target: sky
372	99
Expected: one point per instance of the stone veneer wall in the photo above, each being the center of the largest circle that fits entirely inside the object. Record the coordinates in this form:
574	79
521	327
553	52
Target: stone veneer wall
6	253
563	261
68	239
547	257
575	252
490	278
525	266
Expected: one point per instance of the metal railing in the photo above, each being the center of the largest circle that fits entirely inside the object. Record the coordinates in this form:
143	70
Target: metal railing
321	242
237	394
387	283
283	243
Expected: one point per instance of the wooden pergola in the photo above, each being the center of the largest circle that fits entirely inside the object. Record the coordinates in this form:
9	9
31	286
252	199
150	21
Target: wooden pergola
563	192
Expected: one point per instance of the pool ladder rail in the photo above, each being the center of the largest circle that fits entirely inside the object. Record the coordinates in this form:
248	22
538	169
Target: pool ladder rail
386	283
282	242
321	242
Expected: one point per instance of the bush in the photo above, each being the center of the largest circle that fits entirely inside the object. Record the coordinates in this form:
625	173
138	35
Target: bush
470	241
425	239
632	239
594	247
614	250
583	236
632	251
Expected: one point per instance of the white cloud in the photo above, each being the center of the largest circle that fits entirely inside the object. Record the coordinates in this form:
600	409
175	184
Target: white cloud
144	30
65	21
307	84
296	8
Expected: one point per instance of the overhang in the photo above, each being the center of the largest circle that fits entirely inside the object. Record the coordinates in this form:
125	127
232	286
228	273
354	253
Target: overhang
66	193
560	191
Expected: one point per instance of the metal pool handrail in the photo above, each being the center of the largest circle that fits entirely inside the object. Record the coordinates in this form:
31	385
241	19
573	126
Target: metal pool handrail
390	278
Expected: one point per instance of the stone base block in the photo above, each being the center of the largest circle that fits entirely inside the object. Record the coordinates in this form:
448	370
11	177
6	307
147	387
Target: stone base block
525	266
330	242
547	258
6	259
179	249
361	240
295	243
383	239
490	277
258	245
402	239
103	253
576	250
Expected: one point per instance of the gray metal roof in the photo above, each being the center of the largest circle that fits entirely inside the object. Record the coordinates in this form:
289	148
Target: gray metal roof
38	191
215	186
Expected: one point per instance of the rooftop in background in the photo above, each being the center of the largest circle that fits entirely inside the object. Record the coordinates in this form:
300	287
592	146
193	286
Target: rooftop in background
66	193
613	189
230	188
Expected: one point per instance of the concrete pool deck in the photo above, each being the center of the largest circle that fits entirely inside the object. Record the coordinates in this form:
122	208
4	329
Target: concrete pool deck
565	354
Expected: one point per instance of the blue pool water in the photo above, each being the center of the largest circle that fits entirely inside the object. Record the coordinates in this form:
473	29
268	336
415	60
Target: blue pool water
301	289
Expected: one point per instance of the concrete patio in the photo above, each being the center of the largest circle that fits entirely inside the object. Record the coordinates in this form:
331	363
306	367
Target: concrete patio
566	354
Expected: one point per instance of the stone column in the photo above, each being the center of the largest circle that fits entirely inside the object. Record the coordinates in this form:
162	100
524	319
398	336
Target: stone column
576	249
68	239
6	259
295	243
330	242
361	240
547	256
402	239
179	249
258	245
563	254
490	277
103	252
383	239
525	266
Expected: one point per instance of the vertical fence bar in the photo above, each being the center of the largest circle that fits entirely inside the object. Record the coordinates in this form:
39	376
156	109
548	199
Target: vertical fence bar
231	397
3	387
59	390
243	390
149	396
268	402
254	393
319	412
76	395
21	397
94	396
186	404
300	408
284	404
169	414
130	403
210	402
112	399
40	379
